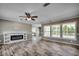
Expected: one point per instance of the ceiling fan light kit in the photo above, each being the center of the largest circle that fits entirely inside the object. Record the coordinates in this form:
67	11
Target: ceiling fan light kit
28	19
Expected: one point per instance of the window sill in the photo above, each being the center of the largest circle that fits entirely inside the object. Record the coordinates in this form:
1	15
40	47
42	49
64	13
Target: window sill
62	40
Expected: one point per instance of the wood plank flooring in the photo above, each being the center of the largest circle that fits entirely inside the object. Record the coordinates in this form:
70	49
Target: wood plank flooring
41	48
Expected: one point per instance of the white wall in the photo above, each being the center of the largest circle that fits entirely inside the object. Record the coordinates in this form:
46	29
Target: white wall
14	26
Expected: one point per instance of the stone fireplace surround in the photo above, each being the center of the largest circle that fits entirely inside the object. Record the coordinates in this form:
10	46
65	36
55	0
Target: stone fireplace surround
5	37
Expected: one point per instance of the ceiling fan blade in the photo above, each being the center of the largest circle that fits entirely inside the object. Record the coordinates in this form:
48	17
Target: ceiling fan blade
34	16
33	19
23	16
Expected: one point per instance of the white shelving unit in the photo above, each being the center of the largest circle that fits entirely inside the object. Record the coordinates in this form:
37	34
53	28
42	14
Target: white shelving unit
6	37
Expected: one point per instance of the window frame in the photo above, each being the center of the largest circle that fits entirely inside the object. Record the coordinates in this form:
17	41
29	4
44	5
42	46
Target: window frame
61	31
75	37
59	25
44	31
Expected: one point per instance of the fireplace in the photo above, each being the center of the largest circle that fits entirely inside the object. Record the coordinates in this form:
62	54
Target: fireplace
13	36
16	37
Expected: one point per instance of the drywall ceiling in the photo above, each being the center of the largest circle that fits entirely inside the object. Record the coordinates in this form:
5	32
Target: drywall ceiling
53	12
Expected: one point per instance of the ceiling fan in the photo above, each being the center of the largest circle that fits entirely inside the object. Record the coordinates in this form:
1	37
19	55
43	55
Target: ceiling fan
28	16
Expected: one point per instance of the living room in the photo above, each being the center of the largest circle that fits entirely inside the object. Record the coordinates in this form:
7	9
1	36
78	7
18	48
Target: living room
39	29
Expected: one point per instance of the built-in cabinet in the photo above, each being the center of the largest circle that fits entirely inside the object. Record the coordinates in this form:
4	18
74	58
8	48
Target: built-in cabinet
5	37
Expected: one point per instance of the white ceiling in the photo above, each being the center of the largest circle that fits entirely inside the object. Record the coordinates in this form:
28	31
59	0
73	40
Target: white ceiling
53	12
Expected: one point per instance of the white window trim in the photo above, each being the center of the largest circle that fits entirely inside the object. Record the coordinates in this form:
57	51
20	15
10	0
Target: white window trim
68	37
59	36
46	31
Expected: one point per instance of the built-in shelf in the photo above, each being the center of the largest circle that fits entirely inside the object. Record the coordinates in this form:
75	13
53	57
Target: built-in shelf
6	37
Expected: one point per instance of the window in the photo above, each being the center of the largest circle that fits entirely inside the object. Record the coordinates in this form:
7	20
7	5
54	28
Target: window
69	30
65	30
47	31
55	30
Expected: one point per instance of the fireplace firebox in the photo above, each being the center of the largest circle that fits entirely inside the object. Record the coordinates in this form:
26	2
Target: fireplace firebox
16	37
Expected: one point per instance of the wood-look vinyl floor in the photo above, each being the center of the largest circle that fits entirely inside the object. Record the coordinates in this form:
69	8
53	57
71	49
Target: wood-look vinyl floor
41	48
